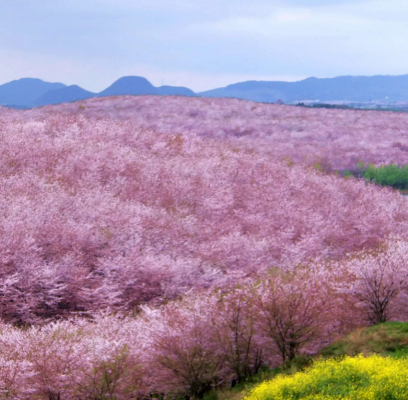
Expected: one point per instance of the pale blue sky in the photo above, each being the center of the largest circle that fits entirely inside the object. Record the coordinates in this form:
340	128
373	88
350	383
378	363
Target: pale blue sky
201	44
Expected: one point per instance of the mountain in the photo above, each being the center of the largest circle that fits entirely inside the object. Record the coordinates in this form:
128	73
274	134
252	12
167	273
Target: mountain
29	92
15	106
135	85
24	91
63	95
343	88
174	90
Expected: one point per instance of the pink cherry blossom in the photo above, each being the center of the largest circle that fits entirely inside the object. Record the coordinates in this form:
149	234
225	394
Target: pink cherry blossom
168	246
103	209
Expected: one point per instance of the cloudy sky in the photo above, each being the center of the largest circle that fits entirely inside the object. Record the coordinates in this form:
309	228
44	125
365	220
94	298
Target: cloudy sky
201	44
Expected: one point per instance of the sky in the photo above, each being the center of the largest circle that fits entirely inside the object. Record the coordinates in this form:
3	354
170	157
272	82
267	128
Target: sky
200	44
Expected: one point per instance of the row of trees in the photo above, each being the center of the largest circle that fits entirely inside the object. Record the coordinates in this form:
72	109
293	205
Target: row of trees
207	339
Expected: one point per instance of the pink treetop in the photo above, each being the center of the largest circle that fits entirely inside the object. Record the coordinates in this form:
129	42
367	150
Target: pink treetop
337	139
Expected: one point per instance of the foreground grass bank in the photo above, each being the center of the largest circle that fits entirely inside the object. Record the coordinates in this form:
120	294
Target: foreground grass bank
387	339
357	378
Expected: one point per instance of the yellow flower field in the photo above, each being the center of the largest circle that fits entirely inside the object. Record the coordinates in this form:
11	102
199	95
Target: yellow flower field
352	378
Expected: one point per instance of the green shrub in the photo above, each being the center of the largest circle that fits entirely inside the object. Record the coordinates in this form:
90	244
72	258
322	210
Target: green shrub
386	175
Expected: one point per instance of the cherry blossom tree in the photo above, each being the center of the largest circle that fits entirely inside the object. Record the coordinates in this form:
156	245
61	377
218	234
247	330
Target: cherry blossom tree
235	324
296	308
184	355
377	279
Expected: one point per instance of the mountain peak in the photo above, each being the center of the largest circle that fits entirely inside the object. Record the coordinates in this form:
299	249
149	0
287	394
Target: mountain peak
25	90
133	85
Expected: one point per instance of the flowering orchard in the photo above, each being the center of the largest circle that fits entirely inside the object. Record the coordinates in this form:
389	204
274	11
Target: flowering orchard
227	256
189	346
98	212
184	347
336	139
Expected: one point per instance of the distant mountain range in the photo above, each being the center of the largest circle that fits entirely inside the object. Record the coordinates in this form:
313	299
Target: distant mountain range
30	92
344	88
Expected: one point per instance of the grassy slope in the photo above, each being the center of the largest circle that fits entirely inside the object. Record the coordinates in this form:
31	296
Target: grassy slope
390	338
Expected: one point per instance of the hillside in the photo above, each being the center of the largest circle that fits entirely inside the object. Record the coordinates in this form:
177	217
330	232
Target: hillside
367	361
147	248
106	184
389	339
335	139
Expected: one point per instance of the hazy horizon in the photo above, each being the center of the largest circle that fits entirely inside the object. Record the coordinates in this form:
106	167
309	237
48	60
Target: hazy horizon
84	87
210	88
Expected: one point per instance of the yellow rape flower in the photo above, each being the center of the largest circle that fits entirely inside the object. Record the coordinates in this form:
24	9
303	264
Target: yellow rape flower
352	378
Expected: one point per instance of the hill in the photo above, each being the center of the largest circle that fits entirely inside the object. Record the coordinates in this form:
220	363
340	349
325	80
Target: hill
108	183
174	91
133	85
24	92
381	89
136	85
147	247
344	88
328	139
27	93
63	95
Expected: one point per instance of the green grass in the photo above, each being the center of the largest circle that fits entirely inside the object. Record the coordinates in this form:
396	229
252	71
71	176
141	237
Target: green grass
387	339
242	389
